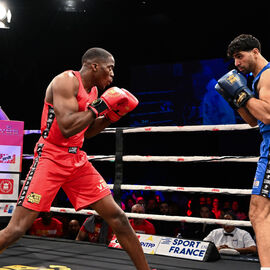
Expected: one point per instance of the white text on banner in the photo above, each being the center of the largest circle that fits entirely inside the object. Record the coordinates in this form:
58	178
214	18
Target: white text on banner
181	248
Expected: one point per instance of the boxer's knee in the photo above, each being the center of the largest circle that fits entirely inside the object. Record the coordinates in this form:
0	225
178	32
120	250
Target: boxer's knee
14	232
119	221
10	235
259	209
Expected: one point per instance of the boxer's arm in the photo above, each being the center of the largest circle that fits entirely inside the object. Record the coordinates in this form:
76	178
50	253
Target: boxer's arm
97	126
260	108
69	119
247	117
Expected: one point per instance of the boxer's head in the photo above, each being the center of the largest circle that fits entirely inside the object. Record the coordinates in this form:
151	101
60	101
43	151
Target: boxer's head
245	50
229	216
99	64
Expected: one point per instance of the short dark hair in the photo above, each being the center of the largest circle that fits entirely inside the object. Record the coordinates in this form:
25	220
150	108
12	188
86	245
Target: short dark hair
231	214
243	42
95	54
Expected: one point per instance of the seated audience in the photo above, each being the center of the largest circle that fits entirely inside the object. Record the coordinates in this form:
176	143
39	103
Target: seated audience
232	237
95	230
215	208
162	226
152	206
198	231
237	212
73	229
140	200
46	225
129	202
141	225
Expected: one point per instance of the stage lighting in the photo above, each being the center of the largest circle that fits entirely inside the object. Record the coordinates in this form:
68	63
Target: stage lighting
5	16
76	6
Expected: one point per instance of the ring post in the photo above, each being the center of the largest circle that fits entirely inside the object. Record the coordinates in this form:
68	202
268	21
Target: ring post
118	180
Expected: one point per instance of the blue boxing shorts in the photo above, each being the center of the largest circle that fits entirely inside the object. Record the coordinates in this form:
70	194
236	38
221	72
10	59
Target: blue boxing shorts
261	184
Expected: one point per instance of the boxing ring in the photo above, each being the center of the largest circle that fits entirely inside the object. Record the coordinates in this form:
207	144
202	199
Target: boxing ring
53	253
59	254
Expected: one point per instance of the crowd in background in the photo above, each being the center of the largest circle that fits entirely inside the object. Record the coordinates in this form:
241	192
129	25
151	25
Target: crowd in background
94	229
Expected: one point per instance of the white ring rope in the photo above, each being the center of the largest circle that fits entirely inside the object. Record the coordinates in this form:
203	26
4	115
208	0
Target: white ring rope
161	217
137	158
170	129
189	128
226	191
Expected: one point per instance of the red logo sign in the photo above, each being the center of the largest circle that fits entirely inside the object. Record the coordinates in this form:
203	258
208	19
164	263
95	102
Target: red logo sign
7	158
6	186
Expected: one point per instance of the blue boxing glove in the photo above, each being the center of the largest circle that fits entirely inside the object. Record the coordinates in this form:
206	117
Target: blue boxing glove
233	87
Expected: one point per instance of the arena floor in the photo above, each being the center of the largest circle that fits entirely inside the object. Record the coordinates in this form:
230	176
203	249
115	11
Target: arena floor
43	253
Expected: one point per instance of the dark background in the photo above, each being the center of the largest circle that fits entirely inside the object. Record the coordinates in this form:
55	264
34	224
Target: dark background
45	39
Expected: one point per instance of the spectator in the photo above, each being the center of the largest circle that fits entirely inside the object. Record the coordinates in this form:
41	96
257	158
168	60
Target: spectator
95	230
141	225
73	229
140	200
152	206
237	212
162	226
226	206
198	231
216	210
232	237
209	200
202	200
164	208
189	211
129	202
46	225
175	228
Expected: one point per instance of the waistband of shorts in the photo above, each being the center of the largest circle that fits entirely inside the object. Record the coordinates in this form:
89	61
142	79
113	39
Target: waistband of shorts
68	149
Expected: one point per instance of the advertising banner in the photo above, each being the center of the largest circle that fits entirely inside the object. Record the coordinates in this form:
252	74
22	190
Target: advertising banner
149	243
9	186
7	209
11	145
181	248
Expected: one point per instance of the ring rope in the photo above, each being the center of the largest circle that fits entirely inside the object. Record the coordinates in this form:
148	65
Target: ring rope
133	158
169	129
161	217
137	158
227	191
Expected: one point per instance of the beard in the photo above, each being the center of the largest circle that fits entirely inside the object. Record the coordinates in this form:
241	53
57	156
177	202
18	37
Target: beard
244	70
247	68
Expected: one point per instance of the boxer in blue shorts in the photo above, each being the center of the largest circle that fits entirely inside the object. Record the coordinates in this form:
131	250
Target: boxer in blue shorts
254	107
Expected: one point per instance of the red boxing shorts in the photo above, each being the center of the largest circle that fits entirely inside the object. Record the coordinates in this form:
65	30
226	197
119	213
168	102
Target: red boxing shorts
67	167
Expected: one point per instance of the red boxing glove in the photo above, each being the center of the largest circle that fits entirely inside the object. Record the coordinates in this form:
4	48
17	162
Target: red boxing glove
109	100
122	109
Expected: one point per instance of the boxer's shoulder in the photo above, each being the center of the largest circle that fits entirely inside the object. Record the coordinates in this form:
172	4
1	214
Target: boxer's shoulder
65	81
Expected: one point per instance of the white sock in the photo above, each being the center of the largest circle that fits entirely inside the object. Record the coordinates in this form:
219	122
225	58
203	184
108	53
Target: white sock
265	268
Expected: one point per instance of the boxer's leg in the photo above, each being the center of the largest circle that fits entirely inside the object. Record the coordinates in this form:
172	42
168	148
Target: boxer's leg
259	214
117	220
259	211
87	187
20	222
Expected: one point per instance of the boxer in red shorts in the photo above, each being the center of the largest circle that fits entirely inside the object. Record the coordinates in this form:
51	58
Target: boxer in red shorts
72	111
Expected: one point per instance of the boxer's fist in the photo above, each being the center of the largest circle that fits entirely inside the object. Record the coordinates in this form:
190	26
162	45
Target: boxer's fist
109	100
233	87
122	109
